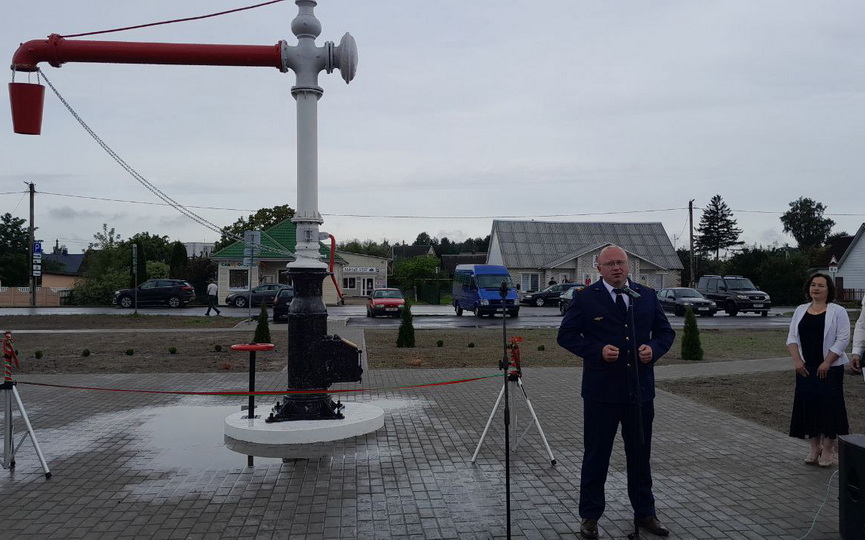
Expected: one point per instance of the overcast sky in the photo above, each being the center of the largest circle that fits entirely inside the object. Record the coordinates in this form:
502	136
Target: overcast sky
461	111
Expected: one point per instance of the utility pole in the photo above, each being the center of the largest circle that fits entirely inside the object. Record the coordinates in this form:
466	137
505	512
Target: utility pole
692	281
32	258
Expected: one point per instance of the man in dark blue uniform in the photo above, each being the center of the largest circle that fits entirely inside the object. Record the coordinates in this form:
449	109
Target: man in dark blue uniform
596	327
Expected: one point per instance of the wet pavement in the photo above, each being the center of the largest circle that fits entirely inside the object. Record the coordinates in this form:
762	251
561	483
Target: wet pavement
141	465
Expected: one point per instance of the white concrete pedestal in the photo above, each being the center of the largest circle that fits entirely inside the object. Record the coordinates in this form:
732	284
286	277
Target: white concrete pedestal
360	419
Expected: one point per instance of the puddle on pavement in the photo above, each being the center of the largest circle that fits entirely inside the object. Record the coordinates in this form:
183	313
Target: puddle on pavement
194	437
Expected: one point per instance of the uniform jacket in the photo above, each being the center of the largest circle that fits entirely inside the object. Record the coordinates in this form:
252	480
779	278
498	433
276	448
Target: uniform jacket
593	320
859	332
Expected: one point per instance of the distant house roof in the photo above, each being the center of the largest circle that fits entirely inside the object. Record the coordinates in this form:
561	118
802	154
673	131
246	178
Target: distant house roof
71	263
837	248
544	244
406	252
851	246
450	261
278	243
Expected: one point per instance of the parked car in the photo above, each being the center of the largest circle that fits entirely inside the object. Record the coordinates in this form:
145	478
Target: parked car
260	294
549	296
734	294
171	292
385	302
281	300
677	300
568	296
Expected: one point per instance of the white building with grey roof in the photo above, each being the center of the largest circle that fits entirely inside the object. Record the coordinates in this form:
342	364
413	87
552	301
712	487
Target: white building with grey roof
536	252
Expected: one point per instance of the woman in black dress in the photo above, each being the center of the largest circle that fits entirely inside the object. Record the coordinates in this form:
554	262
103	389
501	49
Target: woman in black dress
819	333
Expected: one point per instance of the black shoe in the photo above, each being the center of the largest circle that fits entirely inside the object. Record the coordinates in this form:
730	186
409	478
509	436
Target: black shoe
652	525
589	528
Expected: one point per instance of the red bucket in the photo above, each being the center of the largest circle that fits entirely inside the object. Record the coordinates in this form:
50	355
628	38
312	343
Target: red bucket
27	101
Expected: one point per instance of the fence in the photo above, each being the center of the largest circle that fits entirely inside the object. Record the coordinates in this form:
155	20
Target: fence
20	296
850	295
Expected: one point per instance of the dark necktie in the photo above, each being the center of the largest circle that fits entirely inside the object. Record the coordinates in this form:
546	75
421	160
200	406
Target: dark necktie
620	300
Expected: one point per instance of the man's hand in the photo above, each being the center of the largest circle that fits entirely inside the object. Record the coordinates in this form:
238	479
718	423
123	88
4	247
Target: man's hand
856	360
645	353
610	353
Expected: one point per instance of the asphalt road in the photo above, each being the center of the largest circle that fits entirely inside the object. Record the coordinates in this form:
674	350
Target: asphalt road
425	316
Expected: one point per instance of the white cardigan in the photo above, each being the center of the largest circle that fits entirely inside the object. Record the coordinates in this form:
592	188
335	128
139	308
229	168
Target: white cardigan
836	331
859	332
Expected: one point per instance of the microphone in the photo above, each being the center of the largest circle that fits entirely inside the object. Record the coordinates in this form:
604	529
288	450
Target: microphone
630	292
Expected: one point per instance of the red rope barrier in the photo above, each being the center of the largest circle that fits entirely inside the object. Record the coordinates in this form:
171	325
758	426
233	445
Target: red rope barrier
260	393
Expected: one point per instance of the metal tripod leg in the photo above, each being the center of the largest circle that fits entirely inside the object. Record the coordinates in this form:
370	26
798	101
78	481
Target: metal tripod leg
513	422
537	423
9	443
489	422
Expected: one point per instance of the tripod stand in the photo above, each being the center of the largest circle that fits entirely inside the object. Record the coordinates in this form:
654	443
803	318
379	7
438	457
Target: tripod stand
9	391
515	376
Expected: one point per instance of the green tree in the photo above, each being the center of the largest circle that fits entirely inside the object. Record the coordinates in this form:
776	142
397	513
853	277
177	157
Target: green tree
702	266
107	238
263	219
405	337
139	273
198	271
805	222
717	228
782	275
157	270
407	273
747	263
178	260
14	252
262	329
424	239
158	248
367	247
692	349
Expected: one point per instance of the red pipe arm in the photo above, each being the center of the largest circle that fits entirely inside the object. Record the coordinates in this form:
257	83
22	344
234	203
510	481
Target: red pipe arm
57	51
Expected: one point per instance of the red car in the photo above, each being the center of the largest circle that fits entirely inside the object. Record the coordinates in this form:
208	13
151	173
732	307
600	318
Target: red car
385	302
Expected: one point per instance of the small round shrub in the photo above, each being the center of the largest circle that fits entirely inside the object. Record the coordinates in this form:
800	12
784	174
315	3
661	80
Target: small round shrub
471	345
85	352
172	350
440	343
226	366
129	352
541	347
38	355
217	348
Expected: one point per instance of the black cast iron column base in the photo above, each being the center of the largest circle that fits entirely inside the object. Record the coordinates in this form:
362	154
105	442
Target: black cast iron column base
306	407
307	368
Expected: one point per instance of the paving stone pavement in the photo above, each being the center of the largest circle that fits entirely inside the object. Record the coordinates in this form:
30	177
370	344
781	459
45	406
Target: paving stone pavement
133	465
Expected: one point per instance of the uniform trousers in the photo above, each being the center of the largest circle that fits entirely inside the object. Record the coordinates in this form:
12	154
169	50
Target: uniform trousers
600	424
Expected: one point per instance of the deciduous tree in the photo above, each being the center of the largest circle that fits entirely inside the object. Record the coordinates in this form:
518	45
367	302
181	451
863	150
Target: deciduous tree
805	222
14	238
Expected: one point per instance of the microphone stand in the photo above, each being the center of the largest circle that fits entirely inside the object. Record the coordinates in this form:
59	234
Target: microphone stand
503	365
638	393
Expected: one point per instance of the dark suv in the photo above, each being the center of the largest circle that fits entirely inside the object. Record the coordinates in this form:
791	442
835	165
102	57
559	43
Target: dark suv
172	292
734	294
281	301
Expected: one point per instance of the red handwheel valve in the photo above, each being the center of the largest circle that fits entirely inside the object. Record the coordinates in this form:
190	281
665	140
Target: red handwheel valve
9	355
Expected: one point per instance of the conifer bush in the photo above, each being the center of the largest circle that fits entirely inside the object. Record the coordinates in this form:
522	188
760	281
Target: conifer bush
405	338
262	329
691	347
